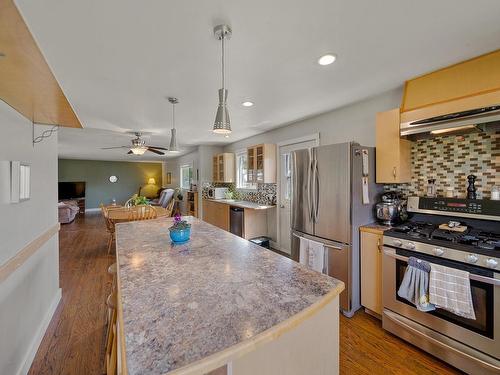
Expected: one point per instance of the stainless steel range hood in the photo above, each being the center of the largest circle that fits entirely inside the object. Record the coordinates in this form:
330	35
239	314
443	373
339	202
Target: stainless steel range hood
452	122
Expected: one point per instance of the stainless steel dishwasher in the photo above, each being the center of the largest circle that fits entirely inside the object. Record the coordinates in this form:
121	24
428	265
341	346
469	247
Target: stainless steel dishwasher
236	218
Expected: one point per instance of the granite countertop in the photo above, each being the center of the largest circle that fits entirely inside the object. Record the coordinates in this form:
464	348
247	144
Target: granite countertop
183	303
243	204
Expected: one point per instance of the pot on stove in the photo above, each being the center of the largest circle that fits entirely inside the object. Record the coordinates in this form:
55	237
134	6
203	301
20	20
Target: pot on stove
392	208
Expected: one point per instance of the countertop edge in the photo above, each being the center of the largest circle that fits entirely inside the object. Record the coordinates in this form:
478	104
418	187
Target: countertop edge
219	359
236	204
374	228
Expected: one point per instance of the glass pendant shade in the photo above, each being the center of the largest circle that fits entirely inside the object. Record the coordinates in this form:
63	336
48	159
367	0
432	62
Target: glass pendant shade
222	124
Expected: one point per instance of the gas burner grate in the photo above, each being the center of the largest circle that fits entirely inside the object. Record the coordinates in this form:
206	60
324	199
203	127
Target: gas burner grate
446	235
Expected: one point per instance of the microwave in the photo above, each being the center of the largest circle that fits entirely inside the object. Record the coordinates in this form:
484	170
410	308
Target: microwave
217	193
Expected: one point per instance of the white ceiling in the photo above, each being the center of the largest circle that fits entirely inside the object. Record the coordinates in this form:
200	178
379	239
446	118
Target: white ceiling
117	60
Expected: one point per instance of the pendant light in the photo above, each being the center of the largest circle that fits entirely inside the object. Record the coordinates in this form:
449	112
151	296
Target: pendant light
173	138
222	124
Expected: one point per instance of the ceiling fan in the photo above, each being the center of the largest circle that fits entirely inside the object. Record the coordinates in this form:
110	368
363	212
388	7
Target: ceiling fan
139	146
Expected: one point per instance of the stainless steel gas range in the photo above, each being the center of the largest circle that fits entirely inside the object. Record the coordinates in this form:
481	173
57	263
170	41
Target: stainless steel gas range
470	345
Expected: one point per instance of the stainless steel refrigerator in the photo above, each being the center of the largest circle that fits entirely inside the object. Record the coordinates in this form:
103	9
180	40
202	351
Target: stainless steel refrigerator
328	207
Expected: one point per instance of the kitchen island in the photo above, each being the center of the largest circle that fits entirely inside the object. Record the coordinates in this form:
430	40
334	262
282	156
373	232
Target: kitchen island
219	301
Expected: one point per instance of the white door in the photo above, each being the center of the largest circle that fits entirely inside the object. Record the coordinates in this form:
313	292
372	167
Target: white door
285	191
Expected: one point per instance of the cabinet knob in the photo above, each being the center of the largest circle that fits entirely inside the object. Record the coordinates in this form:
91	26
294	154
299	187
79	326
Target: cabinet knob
394	172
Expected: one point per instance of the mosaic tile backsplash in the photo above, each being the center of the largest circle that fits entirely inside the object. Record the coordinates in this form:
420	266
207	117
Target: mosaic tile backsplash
264	194
450	159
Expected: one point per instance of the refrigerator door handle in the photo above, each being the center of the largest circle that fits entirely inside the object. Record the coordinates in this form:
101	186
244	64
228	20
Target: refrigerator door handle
309	187
316	191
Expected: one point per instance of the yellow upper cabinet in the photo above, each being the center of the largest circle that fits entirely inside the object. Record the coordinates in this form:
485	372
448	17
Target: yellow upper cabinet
471	84
393	154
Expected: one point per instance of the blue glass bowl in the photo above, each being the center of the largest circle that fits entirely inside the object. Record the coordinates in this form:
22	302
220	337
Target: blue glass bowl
179	236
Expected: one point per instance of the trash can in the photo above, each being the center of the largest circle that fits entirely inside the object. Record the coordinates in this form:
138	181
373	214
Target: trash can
261	241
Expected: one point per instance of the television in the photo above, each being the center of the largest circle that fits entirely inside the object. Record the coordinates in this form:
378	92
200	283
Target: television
71	190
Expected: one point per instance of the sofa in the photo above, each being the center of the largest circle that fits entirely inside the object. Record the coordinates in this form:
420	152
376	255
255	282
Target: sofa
67	211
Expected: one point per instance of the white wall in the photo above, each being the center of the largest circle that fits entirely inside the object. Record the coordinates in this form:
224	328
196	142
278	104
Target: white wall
201	160
355	122
28	296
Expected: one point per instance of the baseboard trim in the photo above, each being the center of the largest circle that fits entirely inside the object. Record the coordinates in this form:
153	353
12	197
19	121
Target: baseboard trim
30	355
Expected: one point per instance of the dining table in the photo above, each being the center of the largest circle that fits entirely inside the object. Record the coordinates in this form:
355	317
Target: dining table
120	214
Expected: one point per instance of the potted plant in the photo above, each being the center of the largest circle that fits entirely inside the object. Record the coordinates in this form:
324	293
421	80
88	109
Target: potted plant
140	200
180	231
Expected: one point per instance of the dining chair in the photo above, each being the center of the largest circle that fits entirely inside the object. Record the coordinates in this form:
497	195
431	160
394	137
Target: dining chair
110	226
142	212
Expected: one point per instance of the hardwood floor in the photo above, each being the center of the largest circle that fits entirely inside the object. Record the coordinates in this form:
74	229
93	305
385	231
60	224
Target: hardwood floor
74	341
365	348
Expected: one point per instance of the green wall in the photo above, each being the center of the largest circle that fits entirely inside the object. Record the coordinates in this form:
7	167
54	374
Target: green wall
131	176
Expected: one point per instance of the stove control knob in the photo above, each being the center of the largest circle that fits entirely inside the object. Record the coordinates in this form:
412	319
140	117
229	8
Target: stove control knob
491	263
397	243
410	245
437	251
471	258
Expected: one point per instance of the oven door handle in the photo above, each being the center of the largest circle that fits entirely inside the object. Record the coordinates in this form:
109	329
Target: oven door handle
487	280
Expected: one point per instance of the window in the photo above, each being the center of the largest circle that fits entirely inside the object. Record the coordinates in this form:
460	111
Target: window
186	176
242	170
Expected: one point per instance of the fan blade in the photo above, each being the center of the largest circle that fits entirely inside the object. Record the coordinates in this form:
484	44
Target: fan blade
130	152
158	148
156	151
111	148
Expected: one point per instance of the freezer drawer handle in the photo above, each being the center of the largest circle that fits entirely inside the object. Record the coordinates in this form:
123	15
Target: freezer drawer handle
324	244
487	280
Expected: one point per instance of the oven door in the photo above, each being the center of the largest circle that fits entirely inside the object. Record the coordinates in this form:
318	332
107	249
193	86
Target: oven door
482	334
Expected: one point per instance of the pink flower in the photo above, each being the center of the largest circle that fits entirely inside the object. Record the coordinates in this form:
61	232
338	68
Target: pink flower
177	218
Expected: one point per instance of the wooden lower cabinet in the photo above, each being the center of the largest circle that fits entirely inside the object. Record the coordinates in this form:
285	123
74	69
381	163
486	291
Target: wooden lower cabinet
371	271
216	214
254	223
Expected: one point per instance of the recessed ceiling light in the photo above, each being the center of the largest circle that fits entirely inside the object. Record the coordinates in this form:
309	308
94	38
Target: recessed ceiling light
327	59
247	104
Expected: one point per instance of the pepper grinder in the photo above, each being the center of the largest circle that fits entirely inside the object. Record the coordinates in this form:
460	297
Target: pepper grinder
471	189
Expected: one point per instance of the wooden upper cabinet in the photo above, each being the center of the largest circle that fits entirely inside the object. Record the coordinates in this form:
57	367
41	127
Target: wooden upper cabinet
27	83
223	167
261	161
471	84
393	154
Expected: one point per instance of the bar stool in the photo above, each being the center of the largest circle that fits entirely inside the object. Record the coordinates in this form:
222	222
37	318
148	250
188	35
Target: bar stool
111	334
111	341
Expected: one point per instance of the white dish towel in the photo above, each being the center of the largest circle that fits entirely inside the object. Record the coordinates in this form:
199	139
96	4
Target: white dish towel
304	251
312	254
316	255
449	289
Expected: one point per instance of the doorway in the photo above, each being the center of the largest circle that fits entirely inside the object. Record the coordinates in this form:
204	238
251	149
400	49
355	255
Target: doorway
285	186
